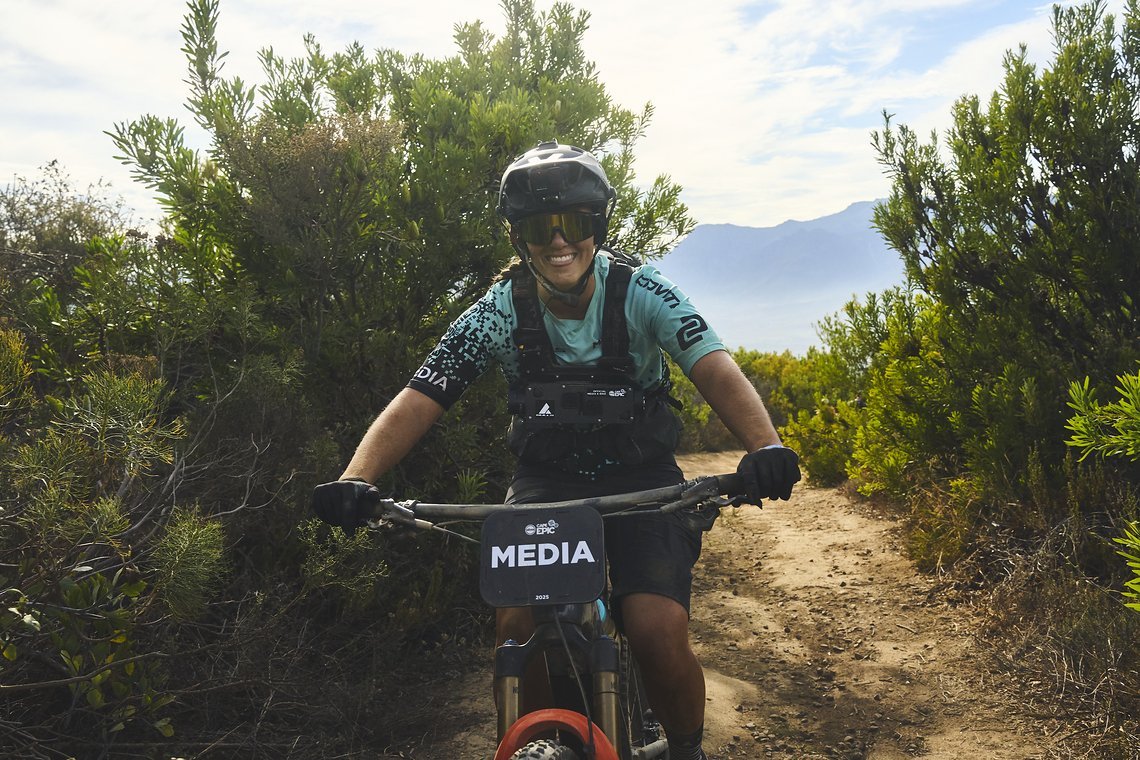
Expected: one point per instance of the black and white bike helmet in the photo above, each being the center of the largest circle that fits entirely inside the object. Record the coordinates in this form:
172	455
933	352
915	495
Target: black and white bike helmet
551	177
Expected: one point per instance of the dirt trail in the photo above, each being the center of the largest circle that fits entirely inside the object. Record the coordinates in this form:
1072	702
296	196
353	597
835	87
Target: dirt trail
819	640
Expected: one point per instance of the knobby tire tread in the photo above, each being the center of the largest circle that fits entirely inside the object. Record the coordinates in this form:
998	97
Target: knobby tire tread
545	749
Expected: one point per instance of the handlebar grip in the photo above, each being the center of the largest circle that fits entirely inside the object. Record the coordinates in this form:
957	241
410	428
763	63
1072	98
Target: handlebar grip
730	484
370	505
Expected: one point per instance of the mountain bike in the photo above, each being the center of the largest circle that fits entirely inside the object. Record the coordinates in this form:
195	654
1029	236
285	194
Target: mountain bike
551	557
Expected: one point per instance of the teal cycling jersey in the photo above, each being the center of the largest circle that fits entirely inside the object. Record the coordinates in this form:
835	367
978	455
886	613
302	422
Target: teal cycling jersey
659	317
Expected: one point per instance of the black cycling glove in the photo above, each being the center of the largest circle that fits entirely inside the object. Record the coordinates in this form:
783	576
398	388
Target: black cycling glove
769	473
338	503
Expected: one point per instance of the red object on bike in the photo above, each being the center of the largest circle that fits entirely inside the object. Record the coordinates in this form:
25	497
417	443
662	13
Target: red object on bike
528	727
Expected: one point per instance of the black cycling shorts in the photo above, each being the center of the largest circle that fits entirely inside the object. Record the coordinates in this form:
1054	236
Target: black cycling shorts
652	553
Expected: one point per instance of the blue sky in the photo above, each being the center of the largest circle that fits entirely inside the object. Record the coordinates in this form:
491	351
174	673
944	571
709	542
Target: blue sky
763	109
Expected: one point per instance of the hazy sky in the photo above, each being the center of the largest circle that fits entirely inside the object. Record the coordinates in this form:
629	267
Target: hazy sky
763	109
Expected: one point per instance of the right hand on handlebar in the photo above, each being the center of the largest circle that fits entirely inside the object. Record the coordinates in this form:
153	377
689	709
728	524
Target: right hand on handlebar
339	503
769	473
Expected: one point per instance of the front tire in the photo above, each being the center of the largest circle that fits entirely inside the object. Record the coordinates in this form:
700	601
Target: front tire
545	749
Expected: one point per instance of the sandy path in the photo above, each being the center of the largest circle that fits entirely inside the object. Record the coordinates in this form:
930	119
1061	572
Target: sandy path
819	639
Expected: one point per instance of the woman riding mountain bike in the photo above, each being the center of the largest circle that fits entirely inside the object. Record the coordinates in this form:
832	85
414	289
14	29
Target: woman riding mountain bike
581	332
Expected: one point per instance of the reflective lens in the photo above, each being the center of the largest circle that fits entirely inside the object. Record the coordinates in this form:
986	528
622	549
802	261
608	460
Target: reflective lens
539	229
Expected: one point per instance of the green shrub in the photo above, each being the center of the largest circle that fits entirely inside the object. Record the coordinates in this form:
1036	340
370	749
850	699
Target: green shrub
907	430
1131	541
823	437
1111	430
188	561
85	554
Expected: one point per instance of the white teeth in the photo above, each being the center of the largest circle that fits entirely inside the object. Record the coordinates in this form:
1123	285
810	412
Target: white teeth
565	259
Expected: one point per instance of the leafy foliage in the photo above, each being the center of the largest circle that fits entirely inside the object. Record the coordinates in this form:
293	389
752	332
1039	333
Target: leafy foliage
45	224
778	379
79	524
188	562
822	436
1111	429
1131	541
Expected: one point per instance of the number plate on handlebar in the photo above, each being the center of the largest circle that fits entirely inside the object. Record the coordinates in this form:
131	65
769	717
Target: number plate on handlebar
542	556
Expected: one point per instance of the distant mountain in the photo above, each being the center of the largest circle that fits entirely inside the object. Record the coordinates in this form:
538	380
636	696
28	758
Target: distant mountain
765	288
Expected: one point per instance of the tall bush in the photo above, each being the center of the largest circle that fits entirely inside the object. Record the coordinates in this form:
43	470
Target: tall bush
1022	228
1018	231
833	383
357	199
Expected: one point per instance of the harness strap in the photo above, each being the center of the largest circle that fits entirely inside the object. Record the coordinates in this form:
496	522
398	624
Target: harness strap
536	352
531	339
615	333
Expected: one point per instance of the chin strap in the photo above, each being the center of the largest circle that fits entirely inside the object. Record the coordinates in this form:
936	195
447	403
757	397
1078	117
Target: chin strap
568	297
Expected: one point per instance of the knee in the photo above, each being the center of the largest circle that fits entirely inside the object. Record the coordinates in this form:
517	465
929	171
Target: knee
655	626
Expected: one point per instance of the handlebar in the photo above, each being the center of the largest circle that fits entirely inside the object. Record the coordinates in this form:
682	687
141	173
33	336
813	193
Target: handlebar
691	493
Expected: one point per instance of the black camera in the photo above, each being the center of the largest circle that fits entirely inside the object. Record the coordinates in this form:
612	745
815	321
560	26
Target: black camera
581	402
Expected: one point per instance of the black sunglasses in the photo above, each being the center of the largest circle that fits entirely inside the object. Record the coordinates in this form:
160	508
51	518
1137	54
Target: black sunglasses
539	229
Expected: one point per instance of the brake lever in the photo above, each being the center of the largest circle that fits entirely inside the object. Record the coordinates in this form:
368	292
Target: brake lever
398	513
403	513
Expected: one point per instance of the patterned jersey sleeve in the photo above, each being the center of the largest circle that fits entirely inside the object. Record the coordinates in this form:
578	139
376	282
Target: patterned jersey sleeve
675	322
480	335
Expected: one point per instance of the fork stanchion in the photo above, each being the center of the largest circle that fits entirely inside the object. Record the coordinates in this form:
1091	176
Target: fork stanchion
510	662
607	699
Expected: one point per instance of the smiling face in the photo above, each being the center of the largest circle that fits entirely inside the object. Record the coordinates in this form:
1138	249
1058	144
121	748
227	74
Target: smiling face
561	262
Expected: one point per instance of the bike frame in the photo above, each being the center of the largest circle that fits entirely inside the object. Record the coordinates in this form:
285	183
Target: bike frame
591	646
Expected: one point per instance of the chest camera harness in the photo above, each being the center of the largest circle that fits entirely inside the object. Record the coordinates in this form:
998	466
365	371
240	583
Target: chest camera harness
560	408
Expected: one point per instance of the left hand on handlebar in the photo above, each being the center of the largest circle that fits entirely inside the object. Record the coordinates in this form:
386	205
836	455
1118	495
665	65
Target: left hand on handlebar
338	503
769	473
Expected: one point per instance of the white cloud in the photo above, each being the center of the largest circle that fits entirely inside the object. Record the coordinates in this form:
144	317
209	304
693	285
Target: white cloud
781	125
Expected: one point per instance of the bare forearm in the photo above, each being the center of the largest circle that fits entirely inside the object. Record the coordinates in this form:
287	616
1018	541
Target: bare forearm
735	401
392	435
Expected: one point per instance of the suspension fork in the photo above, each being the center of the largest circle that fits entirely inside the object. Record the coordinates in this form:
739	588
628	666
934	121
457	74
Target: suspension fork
601	654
